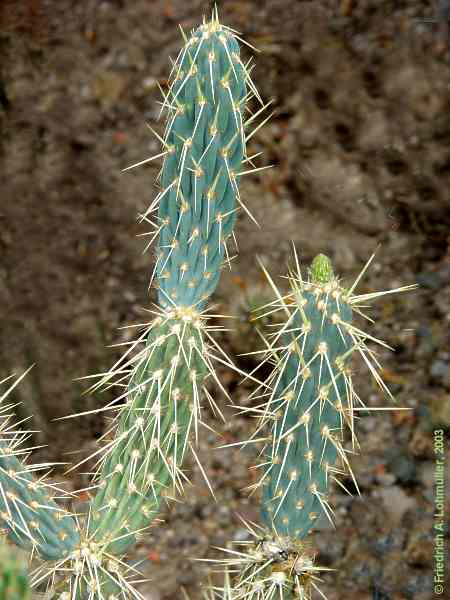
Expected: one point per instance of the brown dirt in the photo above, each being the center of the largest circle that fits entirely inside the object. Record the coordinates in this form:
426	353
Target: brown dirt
361	144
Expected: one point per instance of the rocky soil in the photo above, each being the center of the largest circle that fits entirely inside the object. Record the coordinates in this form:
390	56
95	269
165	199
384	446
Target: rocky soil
360	141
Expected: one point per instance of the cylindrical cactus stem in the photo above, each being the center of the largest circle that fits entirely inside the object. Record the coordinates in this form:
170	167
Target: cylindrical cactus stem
152	433
311	400
313	397
205	144
204	147
28	513
311	403
14	583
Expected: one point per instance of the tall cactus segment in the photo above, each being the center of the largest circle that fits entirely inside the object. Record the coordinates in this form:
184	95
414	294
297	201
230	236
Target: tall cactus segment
205	143
313	397
28	512
204	149
311	401
303	418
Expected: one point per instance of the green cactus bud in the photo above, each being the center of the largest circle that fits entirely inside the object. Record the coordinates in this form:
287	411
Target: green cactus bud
321	270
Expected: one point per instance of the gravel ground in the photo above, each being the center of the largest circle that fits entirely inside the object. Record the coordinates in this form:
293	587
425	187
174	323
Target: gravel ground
361	147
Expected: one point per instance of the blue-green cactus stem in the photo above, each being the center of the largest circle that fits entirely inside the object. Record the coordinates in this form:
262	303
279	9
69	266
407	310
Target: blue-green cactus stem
205	145
31	517
28	513
152	434
309	404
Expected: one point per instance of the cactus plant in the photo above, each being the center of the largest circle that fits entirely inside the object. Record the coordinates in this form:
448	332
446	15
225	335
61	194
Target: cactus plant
312	400
140	458
204	147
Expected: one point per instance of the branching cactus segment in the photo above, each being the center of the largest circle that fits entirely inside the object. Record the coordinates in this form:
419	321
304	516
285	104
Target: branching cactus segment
302	419
28	512
313	397
204	148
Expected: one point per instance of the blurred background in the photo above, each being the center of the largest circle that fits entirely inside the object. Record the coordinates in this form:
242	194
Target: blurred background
361	147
